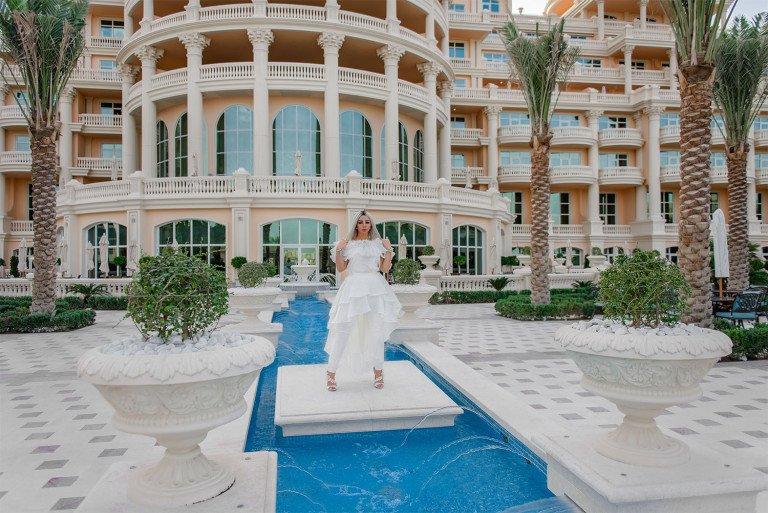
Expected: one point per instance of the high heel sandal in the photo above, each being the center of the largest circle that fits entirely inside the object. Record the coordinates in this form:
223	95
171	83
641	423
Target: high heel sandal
378	381
330	382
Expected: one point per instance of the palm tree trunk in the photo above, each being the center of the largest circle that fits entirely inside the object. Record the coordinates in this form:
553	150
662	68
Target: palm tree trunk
695	115
540	264
738	226
44	183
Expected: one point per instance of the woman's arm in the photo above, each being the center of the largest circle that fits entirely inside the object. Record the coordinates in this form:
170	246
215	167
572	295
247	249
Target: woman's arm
386	259
340	261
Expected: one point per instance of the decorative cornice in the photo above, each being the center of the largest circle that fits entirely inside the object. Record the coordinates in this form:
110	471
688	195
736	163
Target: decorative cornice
194	41
260	37
653	110
492	110
149	53
128	72
390	54
430	70
594	114
446	88
628	49
330	40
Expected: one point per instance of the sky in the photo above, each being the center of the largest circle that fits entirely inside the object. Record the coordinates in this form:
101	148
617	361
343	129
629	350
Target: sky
743	7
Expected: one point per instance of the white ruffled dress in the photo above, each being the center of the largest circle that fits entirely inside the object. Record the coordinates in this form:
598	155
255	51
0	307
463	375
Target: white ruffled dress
365	311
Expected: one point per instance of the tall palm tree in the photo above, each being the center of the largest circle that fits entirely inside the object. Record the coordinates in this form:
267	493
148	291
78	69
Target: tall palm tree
696	25
41	42
538	64
741	88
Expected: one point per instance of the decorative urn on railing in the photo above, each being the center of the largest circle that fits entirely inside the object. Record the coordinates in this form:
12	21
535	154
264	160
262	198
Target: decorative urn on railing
411	294
641	358
253	297
429	259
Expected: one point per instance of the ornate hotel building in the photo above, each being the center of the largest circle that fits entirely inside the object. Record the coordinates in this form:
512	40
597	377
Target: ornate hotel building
257	128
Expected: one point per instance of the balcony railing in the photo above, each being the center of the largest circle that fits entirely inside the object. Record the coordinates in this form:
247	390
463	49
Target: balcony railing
571	173
101	120
761	138
460	173
621	175
99	163
466	133
16	157
617	229
21	226
11	112
518	173
761	175
620	136
108	43
567	229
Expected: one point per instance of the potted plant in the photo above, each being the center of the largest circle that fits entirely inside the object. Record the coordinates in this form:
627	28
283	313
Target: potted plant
641	357
120	262
428	258
253	297
14	266
596	258
178	378
459	261
525	256
411	294
237	262
508	262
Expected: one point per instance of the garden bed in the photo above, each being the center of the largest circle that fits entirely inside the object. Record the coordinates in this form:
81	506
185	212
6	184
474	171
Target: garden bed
748	343
562	308
70	315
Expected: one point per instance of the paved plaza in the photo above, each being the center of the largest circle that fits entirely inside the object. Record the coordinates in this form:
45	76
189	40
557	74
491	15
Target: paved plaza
56	439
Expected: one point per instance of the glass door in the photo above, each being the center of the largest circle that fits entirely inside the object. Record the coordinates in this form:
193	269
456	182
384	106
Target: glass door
296	255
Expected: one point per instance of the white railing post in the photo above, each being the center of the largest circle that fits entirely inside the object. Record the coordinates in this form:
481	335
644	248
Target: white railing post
241	182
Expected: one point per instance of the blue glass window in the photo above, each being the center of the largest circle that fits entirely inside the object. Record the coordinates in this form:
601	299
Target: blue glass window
234	140
296	129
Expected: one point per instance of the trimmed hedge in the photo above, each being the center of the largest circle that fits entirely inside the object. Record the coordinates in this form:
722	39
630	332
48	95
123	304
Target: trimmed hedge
70	302
452	297
749	343
563	309
15	316
108	303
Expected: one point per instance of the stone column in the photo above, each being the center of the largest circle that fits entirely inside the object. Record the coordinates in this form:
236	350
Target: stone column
391	55
643	6
654	159
3	92
672	53
430	71
262	150
492	116
127	25
128	74
149	56
331	43
429	30
600	19
149	14
194	43
65	159
446	87
641	191
593	156
628	68
2	210
392	12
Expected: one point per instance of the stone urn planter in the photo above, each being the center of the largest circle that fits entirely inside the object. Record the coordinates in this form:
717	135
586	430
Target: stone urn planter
525	260
251	301
597	261
303	271
177	396
430	261
413	297
642	371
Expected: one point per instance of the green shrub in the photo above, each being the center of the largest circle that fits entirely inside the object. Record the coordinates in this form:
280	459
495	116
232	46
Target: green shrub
756	265
2	262
498	283
15	317
459	260
450	297
87	290
428	251
108	303
238	261
510	260
406	272
595	251
751	343
14	266
120	261
253	274
176	294
525	311
643	289
758	278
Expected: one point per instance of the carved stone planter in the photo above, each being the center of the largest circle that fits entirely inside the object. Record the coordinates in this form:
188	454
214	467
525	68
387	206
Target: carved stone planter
177	399
643	374
413	297
430	261
252	301
597	261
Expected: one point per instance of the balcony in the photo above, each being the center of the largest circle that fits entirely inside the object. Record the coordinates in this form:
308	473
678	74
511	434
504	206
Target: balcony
617	229
761	138
717	137
101	123
103	43
514	134
761	176
466	136
719	174
670	135
15	161
620	138
98	167
461	63
515	174
671	228
671	174
621	176
567	229
571	175
464	175
12	115
573	136
20	227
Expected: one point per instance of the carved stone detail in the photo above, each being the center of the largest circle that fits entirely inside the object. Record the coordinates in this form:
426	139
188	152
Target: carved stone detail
194	41
330	40
430	70
261	37
149	53
390	54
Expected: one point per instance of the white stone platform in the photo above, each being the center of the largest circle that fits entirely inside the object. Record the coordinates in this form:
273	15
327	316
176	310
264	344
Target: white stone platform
254	490
304	288
425	330
303	406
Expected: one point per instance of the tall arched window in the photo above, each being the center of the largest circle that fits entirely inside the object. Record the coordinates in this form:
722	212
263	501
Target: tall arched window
162	150
577	255
296	129
234	140
416	234
403	153
418	157
355	144
117	245
204	239
291	241
180	146
468	243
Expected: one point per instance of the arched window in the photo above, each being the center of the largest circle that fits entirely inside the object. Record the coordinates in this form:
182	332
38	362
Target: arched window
117	245
468	242
612	253
162	150
671	254
296	129
204	239
577	255
180	146
355	144
418	157
291	241
416	234
403	153
234	140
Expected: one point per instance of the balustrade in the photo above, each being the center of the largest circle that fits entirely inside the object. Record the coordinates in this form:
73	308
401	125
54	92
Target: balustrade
21	226
466	133
101	120
617	229
15	157
99	163
11	112
23	287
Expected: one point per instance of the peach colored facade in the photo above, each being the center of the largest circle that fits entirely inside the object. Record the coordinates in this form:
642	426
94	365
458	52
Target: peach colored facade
252	113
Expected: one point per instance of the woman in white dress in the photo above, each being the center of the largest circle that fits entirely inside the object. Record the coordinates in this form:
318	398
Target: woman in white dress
365	310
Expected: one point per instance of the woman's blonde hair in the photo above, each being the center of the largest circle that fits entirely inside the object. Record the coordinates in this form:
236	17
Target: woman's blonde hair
373	234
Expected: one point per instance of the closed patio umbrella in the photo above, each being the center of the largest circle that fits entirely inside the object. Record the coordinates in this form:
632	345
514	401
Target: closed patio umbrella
569	254
90	256
720	239
103	255
23	256
402	248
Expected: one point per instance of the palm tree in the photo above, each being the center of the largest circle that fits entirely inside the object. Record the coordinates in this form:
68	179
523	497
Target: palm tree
741	88
538	64
696	25
41	42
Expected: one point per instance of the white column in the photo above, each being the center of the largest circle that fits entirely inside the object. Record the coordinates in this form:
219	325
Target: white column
643	6
127	24
260	8
331	43
446	87
593	156
600	19
429	30
430	70
391	55
193	12
628	68
149	56
332	10
194	43
149	14
65	159
672	53
128	74
262	151
3	92
641	209
492	116
392	11
654	159
2	202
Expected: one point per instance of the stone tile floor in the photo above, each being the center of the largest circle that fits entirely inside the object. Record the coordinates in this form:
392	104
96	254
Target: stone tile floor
56	439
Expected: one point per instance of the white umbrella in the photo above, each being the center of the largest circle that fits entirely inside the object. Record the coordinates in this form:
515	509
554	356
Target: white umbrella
720	239
175	246
23	256
569	254
113	168
133	259
90	251
297	163
103	255
402	248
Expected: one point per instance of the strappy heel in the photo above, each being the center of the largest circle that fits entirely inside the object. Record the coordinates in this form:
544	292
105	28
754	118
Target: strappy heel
330	381
378	381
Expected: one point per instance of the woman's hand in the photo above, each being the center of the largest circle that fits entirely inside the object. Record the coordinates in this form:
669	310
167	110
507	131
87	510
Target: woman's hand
387	244
341	244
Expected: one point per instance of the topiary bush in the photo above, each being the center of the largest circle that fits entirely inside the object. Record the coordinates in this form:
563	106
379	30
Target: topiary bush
70	315
498	283
516	308
459	260
510	260
596	251
253	274
406	272
176	294
14	266
644	290
120	261
428	251
751	343
108	303
238	261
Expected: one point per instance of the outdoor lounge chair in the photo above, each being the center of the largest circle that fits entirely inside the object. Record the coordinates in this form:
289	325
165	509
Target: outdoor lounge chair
745	307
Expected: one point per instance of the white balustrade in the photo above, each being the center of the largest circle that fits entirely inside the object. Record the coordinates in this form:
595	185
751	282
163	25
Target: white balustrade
189	186
23	287
565	132
465	282
108	191
618	173
91	74
568	172
20	225
519	131
101	120
617	229
761	137
761	175
110	43
461	172
226	12
764	229
406	88
169	21
11	112
470	93
295	12
393	189
354	19
519	172
169	78
468	197
583	71
98	163
670	172
620	134
567	229
296	71
15	157
302	185
649	75
461	62
670	228
719	173
349	76
466	133
227	70
520	229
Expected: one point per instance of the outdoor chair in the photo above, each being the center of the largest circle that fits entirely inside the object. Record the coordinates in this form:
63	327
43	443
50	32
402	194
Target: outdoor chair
763	308
745	308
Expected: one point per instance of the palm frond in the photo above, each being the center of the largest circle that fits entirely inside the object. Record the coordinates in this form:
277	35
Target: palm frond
697	25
